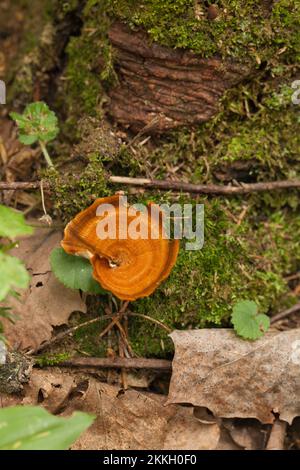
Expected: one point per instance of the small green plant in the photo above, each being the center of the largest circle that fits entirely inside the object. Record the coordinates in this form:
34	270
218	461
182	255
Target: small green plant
37	124
13	273
247	322
74	272
33	428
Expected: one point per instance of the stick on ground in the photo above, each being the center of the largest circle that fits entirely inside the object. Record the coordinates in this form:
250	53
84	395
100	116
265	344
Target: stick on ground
118	363
177	186
295	308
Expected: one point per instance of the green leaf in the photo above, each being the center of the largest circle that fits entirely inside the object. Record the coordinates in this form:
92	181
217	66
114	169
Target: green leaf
28	139
33	428
37	122
247	322
74	272
12	224
13	274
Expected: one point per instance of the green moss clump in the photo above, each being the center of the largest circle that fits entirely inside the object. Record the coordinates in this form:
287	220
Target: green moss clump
243	29
41	46
89	67
237	262
71	193
51	360
88	341
254	137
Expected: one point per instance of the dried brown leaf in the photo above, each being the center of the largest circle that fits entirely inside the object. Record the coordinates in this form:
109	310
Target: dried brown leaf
134	420
237	378
49	388
46	303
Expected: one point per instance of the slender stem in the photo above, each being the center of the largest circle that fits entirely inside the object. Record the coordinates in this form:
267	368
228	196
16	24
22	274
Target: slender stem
46	154
295	308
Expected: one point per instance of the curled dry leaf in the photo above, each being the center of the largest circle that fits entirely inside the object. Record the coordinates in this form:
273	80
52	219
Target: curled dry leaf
129	268
237	378
46	303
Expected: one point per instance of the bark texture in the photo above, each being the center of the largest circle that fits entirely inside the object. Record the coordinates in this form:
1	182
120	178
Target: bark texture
161	88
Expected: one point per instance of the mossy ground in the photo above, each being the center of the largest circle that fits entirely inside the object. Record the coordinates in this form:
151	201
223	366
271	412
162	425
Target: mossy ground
242	29
254	137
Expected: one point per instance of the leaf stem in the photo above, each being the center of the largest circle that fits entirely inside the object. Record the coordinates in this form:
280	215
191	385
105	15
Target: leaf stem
46	154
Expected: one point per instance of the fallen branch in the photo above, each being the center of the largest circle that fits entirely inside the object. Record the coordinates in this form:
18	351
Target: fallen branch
20	185
118	363
205	188
168	185
285	313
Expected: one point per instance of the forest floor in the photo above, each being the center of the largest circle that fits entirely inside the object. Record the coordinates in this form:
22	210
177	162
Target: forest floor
83	356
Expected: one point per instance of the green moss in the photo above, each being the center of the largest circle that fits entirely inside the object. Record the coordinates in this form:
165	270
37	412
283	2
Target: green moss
89	67
41	44
88	341
254	137
243	29
73	192
51	360
237	262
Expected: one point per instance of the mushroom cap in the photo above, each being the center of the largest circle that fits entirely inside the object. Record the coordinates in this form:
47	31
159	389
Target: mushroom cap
130	266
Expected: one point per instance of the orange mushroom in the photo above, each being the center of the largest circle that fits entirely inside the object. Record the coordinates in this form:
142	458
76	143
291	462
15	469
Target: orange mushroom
128	266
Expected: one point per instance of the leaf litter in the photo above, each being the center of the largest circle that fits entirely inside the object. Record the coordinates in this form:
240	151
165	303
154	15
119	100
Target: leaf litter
221	376
234	378
46	303
124	419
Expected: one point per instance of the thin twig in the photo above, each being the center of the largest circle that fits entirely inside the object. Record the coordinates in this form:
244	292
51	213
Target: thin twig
20	185
177	186
205	188
108	327
118	362
115	318
124	338
285	313
154	320
123	370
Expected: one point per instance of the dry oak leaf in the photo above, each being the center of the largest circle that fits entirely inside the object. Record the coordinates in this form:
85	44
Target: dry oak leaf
124	420
128	267
48	388
237	378
135	420
46	303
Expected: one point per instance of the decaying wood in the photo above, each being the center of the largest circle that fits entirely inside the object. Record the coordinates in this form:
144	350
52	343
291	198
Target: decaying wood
118	362
176	186
164	88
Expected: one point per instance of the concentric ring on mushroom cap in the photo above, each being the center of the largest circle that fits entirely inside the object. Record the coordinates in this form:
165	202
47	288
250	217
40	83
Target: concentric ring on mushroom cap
129	268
